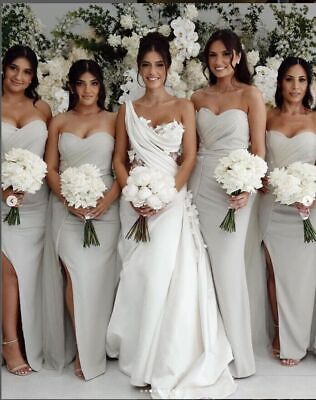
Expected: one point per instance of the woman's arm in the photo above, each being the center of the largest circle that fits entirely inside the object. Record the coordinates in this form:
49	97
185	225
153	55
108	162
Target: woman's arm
188	144
257	118
121	147
45	109
104	203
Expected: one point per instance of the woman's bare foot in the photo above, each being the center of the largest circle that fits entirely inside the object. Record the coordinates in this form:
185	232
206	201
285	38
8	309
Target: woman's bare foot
77	366
289	362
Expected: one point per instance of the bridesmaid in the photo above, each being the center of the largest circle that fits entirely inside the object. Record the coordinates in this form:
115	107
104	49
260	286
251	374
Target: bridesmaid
230	112
291	136
83	134
24	125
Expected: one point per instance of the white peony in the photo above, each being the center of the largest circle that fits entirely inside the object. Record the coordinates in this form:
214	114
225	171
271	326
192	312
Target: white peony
295	183
82	186
146	186
23	170
240	170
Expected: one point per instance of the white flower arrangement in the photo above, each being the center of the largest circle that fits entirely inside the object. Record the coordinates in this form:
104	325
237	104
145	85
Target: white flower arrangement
147	188
24	171
83	187
239	172
265	79
296	184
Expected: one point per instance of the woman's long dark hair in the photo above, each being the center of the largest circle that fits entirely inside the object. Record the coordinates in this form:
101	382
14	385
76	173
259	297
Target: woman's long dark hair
19	51
154	41
77	69
232	42
287	63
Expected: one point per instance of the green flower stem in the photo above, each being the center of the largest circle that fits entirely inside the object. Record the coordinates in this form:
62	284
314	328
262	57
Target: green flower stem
309	231
13	216
139	231
228	223
90	235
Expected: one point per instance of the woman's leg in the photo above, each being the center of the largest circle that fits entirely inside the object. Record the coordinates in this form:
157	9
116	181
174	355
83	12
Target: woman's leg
70	308
11	349
273	303
274	309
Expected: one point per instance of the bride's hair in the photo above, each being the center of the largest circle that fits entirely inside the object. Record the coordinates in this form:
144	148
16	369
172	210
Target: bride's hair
19	51
154	41
287	63
77	69
232	42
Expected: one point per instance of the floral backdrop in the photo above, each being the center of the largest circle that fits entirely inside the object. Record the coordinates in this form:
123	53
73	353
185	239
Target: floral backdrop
110	34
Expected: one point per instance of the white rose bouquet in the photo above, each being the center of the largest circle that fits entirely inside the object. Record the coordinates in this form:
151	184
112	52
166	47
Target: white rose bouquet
82	187
239	172
24	171
296	184
150	188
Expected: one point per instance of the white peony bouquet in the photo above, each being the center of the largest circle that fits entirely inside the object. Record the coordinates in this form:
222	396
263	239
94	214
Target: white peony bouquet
296	184
239	172
82	187
149	188
24	171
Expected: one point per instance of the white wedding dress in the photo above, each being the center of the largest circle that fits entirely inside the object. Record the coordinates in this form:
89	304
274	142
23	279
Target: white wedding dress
165	328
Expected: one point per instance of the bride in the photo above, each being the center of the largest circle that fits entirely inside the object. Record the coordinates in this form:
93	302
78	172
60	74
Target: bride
165	327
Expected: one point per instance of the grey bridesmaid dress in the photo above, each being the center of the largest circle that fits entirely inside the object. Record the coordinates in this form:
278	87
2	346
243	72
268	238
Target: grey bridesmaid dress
294	262
23	244
93	270
219	135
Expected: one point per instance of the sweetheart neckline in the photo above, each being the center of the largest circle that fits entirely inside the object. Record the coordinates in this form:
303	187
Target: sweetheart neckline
294	136
223	112
87	137
22	127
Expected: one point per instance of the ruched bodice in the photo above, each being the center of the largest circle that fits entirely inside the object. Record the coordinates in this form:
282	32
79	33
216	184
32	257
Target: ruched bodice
224	132
282	150
31	136
96	149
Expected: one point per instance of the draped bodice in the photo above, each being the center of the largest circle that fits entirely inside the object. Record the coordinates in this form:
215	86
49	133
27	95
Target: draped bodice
154	146
222	133
31	136
283	150
95	149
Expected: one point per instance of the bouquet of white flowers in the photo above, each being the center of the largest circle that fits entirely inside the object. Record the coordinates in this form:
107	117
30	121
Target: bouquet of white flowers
239	172
82	187
296	184
24	171
151	188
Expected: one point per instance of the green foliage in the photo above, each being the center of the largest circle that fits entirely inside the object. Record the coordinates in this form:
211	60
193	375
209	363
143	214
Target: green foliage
294	33
20	26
